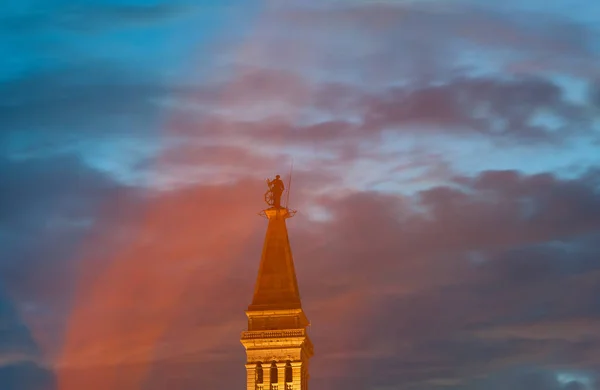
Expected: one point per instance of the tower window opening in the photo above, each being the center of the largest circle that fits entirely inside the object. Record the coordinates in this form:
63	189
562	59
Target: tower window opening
288	372
259	373
274	373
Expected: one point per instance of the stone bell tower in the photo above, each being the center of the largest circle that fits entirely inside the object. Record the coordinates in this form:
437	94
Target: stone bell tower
277	344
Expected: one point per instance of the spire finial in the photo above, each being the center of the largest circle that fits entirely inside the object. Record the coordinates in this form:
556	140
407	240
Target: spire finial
273	199
287	197
273	194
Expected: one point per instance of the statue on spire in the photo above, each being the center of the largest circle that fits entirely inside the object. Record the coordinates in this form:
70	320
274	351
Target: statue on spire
273	195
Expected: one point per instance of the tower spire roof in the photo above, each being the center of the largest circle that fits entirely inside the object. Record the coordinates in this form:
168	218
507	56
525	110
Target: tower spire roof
276	285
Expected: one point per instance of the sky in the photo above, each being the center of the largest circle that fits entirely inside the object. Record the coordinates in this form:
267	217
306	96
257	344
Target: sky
446	173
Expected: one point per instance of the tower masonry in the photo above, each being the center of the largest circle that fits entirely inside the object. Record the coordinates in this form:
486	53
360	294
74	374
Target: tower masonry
277	344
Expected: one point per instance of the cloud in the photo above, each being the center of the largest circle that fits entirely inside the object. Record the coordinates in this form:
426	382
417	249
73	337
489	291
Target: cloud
48	207
595	94
424	41
66	100
94	16
398	265
469	279
429	304
414	254
495	108
524	379
570	330
21	362
26	376
16	341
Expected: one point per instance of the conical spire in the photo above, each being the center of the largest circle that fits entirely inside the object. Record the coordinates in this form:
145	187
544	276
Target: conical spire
276	284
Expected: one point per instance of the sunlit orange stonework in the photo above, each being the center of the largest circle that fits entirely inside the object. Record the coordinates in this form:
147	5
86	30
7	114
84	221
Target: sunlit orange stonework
277	344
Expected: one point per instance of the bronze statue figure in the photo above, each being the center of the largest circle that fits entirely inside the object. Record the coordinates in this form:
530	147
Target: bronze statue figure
273	195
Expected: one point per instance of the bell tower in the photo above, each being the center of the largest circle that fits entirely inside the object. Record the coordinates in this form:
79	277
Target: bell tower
277	344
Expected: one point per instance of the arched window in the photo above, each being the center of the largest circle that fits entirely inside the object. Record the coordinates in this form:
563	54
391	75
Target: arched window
288	372
259	373
273	372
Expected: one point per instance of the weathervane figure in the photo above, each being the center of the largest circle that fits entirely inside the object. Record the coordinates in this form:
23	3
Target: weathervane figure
273	195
